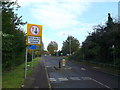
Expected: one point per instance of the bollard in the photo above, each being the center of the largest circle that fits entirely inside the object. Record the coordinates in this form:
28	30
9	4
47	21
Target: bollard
63	62
59	64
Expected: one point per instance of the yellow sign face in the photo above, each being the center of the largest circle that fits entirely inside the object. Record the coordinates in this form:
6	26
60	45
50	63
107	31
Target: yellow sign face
34	30
34	40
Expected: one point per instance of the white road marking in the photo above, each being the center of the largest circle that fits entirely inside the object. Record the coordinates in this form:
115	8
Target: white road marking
96	67
83	69
52	79
36	87
47	76
68	68
47	66
62	79
75	78
101	84
86	78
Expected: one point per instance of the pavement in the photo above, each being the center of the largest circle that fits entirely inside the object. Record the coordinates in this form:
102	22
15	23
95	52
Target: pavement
38	78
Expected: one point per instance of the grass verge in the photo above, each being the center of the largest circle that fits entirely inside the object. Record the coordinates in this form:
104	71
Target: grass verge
14	78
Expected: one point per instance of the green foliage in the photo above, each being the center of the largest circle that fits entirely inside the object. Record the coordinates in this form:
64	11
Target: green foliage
29	57
76	56
15	78
59	53
52	47
13	39
98	45
72	43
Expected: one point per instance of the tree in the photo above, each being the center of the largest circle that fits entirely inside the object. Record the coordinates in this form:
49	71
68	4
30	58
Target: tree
98	44
13	38
110	21
40	50
52	47
71	43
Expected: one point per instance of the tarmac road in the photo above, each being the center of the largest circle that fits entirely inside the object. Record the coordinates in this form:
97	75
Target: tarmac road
78	76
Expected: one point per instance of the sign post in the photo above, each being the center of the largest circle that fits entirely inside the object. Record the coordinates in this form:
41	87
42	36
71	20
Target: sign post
25	64
32	47
33	38
32	59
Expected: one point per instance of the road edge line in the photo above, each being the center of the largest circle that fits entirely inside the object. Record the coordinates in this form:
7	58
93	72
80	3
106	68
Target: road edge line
47	76
101	84
106	72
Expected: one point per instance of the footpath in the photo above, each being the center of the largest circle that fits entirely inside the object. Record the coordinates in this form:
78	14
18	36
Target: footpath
38	78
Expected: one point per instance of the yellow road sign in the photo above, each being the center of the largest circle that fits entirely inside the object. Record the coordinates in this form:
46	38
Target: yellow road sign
34	30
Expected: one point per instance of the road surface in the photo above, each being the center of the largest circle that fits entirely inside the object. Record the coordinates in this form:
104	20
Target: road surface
75	75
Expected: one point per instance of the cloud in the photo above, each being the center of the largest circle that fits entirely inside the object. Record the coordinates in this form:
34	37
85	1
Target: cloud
83	27
28	2
59	16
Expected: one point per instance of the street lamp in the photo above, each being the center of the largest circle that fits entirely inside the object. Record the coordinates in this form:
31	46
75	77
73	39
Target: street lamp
70	41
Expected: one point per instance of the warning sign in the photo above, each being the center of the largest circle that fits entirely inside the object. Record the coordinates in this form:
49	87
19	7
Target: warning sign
34	30
32	40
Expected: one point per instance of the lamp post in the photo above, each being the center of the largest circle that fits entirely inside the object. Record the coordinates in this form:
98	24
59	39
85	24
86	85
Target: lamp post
70	41
113	54
70	46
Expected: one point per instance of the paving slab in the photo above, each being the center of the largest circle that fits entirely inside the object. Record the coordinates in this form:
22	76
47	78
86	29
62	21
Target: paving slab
38	77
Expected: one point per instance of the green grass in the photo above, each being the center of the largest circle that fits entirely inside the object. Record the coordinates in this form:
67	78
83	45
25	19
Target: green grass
15	77
35	62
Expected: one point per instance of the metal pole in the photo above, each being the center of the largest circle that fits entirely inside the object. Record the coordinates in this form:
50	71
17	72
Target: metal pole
32	58
113	55
41	50
70	46
25	64
59	64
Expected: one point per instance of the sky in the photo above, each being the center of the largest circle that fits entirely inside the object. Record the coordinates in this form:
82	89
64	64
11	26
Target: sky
62	18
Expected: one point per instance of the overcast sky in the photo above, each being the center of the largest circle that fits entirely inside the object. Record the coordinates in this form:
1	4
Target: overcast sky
70	17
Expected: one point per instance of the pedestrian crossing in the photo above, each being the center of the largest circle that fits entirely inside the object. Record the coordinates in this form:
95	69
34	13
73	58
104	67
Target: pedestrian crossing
83	69
52	79
69	78
62	79
75	78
